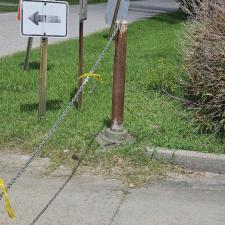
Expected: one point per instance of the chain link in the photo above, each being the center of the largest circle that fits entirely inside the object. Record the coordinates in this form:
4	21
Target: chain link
102	55
62	117
53	198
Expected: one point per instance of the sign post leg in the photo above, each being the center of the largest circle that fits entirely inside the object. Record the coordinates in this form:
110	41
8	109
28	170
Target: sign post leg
115	17
81	60
43	77
28	50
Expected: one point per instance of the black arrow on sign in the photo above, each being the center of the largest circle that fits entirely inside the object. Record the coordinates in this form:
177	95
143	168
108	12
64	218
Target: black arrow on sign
36	18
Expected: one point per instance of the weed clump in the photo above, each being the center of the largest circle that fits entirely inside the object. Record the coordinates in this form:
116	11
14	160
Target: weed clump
164	77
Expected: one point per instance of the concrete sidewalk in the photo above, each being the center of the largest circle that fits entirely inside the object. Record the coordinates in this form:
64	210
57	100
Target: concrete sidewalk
194	199
11	41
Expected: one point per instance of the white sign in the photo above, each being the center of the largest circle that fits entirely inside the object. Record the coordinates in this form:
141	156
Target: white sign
44	18
83	10
123	10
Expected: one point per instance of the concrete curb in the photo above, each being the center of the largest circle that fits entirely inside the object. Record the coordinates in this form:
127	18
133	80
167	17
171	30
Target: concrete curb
206	162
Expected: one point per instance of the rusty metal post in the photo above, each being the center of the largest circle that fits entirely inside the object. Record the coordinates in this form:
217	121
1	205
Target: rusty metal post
116	134
118	91
81	61
43	77
114	17
27	56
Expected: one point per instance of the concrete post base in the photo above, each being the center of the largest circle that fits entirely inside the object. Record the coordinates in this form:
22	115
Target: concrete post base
110	138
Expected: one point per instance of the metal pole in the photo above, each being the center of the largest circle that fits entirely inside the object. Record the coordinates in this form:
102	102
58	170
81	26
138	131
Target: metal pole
118	91
43	77
115	17
81	60
28	50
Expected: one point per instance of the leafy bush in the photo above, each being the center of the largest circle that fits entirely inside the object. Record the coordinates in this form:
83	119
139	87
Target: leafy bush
204	57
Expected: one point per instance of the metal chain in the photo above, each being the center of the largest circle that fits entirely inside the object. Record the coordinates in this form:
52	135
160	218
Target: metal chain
102	55
61	188
62	117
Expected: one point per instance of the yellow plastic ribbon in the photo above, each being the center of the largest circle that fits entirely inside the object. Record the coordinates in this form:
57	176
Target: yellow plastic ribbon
7	203
96	76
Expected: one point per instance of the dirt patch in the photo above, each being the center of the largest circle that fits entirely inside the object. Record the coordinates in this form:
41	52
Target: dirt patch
127	170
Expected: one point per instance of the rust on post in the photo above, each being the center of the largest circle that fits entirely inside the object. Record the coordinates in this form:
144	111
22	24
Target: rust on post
118	91
43	77
81	61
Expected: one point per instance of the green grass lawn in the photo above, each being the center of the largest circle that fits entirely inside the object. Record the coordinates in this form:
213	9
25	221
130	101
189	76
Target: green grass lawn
10	1
7	9
153	118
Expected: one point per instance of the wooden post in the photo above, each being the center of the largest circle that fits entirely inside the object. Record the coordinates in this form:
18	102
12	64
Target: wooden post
28	50
114	17
81	60
43	77
118	91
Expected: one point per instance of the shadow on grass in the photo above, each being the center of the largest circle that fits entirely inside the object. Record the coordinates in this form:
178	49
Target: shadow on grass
72	95
51	105
171	18
36	66
107	122
105	36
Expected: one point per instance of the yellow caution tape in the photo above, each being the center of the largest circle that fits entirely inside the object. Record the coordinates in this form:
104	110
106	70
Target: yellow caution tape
96	76
7	203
